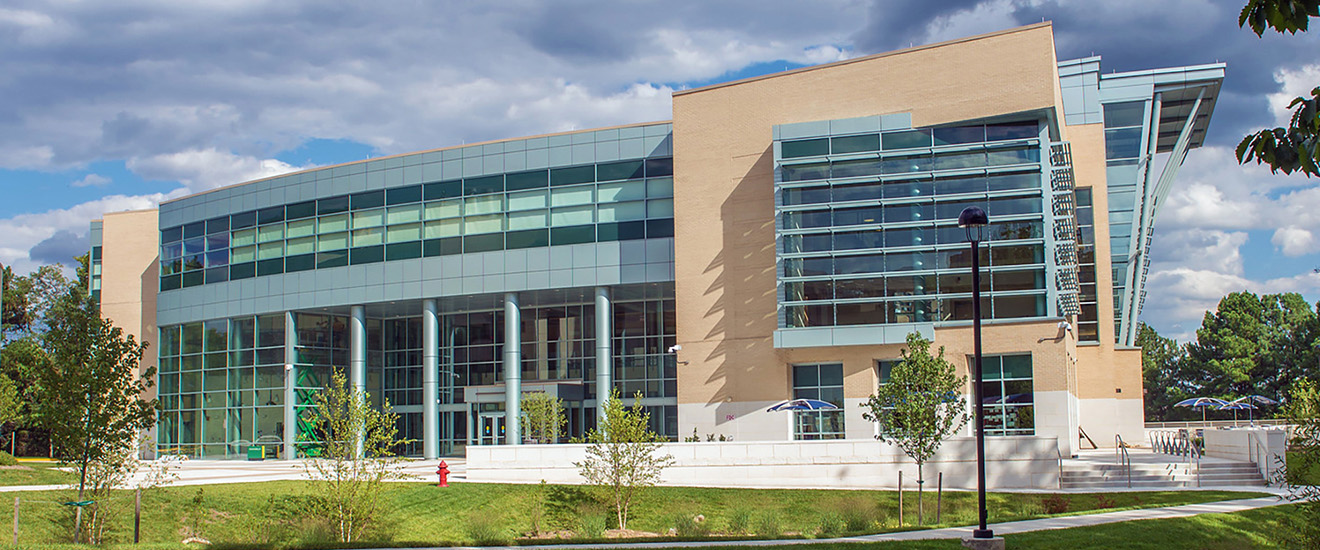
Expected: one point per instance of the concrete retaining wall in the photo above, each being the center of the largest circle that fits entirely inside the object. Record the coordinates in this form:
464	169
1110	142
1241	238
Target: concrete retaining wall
1012	462
1262	446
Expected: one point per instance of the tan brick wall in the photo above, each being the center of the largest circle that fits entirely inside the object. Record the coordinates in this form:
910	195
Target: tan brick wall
129	275
724	200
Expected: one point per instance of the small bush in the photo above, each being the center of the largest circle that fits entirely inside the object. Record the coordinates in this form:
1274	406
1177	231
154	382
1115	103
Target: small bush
592	525
691	526
830	525
768	524
486	528
860	514
740	521
1102	501
7	459
1055	504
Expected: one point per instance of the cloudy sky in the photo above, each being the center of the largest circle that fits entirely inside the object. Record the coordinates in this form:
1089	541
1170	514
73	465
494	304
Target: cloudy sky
112	106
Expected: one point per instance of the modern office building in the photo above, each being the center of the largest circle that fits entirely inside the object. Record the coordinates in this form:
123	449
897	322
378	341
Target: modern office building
779	238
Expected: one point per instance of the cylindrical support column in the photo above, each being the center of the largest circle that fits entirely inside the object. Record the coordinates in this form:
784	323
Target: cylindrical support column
357	356
430	381
512	370
290	387
604	352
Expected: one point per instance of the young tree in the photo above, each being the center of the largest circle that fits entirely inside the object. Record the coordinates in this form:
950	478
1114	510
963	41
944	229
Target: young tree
348	485
624	454
89	394
543	417
920	405
1303	411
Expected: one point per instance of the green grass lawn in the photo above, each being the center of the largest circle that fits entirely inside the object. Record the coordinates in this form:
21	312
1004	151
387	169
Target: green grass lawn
273	513
34	473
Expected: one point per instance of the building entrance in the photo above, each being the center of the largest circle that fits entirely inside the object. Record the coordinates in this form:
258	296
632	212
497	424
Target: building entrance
490	429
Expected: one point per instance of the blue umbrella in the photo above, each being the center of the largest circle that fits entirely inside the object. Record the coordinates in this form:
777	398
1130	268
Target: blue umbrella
804	405
1258	399
1201	403
1235	406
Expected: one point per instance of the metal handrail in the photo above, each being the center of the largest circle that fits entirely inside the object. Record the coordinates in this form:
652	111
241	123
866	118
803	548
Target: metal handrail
1258	449
1121	454
1060	455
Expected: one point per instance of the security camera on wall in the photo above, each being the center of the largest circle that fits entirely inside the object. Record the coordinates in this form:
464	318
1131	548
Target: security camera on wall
675	348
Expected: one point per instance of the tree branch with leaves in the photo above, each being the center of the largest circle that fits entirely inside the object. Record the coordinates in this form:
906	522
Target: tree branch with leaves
624	456
1297	147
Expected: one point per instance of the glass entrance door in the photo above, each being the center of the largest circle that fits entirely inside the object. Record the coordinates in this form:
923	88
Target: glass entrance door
491	429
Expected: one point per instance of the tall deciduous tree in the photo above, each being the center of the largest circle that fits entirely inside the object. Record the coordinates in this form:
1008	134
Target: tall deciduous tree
1297	147
349	485
89	395
920	405
1254	345
1163	362
624	456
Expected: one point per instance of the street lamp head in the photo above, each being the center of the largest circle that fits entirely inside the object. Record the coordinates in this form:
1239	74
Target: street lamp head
974	220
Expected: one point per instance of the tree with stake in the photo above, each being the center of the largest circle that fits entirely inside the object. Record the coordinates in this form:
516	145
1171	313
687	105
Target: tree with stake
89	395
348	485
919	406
624	455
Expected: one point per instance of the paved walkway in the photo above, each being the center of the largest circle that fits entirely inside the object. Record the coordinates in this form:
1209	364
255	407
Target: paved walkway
954	533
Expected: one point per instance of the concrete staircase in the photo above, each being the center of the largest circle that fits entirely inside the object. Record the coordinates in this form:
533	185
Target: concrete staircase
1147	475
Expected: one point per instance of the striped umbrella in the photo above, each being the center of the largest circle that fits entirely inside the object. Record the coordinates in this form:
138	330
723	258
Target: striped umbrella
1201	403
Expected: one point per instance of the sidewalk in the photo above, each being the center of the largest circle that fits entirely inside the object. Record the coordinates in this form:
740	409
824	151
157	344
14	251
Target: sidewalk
954	533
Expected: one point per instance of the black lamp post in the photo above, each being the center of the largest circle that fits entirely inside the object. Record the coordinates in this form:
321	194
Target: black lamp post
974	220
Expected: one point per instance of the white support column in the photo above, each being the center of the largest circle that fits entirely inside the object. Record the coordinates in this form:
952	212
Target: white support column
357	356
290	391
604	353
512	370
430	381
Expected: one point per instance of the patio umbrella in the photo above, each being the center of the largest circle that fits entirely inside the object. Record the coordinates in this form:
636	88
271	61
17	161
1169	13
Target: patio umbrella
1201	403
803	405
1258	399
1236	406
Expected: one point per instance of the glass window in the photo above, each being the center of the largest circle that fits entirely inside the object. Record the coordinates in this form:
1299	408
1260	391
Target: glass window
1003	157
404	214
579	215
194	246
473	225
443	228
301	228
534	219
663	208
813	195
1011	130
268	233
906	139
483	205
803	172
1128	113
444	209
571	196
659	187
331	224
267	251
623	191
243	254
527	200
332	241
855	168
622	211
368	237
823	382
572	175
855	144
404	233
804	148
369	218
1123	143
306	245
619	170
959	134
217	242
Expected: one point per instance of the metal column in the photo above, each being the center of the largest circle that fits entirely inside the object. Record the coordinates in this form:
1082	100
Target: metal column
604	353
512	370
290	390
357	357
430	381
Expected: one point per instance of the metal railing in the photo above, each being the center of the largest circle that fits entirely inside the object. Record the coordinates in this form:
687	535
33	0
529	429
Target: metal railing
1260	455
1121	455
1060	455
1210	424
1177	443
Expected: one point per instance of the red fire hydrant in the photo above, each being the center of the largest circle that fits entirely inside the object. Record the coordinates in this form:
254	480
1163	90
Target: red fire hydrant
443	472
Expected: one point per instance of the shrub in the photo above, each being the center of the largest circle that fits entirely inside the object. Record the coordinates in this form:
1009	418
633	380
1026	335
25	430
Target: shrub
487	528
1102	501
768	524
859	514
830	524
1055	504
691	526
592	525
7	459
740	521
